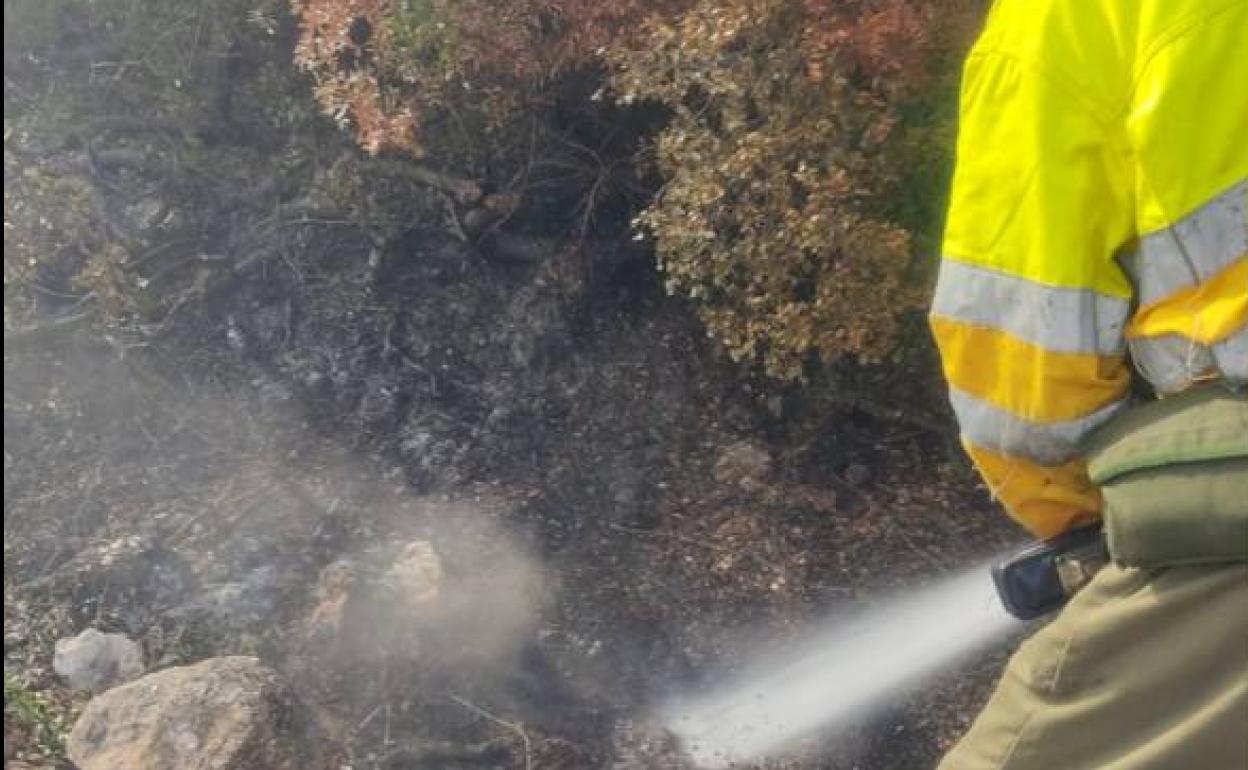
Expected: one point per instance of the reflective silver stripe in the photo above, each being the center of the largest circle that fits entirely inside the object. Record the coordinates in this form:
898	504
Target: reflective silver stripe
1046	443
1232	355
1172	362
1199	246
1061	319
1193	250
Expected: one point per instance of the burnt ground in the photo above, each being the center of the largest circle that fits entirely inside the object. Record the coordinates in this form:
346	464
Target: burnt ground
616	509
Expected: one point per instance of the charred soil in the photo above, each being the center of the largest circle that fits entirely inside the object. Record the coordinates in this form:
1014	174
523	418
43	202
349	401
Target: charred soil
603	510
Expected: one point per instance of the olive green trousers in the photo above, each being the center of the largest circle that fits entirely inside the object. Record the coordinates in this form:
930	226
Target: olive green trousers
1145	669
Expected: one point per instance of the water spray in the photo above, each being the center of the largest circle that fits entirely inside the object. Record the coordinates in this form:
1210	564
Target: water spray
848	668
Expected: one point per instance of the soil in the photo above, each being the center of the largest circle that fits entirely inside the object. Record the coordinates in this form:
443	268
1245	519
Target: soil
557	431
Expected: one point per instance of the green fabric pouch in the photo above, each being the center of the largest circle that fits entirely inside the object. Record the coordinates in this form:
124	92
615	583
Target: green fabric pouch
1174	476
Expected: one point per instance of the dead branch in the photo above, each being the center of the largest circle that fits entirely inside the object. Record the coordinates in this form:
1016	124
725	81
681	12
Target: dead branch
37	333
431	754
512	726
465	191
528	249
93	162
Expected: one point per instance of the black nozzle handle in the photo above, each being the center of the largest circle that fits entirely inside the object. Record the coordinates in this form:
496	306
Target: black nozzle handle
1041	578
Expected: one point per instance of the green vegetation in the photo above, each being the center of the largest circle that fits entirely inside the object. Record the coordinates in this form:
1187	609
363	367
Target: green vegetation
33	721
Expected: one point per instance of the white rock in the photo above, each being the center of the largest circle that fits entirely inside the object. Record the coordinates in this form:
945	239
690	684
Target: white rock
95	661
416	573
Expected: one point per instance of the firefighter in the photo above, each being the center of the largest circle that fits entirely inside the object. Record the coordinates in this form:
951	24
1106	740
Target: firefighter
1097	226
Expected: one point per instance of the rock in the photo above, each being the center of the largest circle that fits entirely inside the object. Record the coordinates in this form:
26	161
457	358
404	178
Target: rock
377	601
95	661
416	574
459	600
228	713
146	213
334	588
744	464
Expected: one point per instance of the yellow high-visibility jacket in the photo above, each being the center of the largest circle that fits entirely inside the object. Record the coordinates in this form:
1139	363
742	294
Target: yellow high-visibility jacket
1097	219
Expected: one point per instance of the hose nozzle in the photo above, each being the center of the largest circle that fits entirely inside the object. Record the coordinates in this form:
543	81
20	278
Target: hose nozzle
1041	578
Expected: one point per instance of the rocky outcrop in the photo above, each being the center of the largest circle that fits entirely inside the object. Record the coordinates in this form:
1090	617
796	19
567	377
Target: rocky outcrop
229	713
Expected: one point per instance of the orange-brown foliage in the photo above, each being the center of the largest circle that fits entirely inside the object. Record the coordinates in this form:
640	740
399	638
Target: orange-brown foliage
378	63
777	160
781	149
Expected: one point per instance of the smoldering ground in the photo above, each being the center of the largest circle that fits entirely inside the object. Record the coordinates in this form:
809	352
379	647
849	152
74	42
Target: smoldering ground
200	520
388	497
456	594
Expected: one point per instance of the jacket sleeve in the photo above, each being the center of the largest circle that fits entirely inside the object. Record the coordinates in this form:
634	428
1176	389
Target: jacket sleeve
1030	304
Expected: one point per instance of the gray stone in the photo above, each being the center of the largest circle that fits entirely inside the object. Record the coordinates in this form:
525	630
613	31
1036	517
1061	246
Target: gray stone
95	661
229	713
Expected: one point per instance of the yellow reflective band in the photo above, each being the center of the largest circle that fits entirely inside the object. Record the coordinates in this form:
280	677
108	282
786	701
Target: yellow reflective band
1207	313
1028	381
1045	500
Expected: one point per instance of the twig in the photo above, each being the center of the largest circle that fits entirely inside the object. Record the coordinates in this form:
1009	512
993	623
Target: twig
900	532
364	722
33	334
466	191
45	291
752	554
512	726
892	414
154	252
589	201
212	508
672	536
453	219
